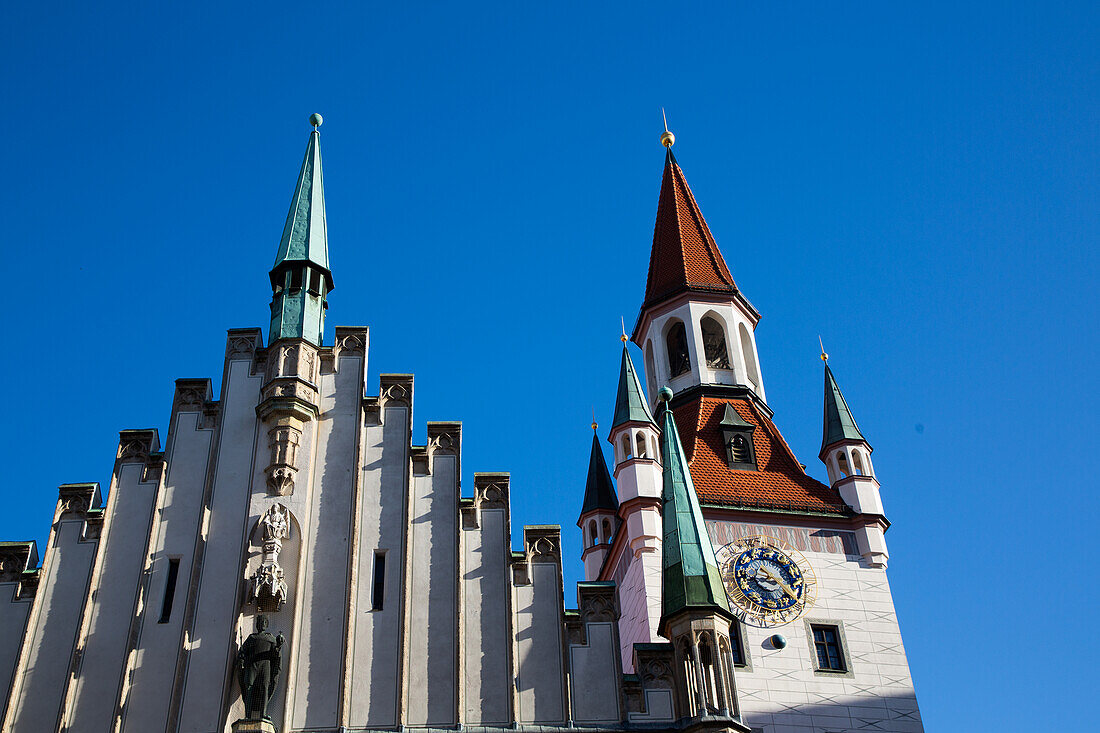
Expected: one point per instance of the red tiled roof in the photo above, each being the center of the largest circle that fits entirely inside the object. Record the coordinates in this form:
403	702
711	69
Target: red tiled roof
779	482
685	255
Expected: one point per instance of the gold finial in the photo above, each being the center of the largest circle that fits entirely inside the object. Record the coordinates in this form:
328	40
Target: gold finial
667	138
623	338
594	423
824	356
316	120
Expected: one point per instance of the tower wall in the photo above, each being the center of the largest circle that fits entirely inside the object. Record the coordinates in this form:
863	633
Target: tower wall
207	671
375	636
179	514
118	585
50	644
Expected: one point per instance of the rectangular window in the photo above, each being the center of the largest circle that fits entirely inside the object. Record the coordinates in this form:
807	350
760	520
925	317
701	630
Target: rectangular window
737	649
169	590
378	587
830	655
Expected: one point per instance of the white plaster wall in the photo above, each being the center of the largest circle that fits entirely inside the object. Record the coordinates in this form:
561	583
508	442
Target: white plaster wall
594	677
213	639
51	640
123	553
486	675
538	630
13	620
639	604
782	692
375	636
179	515
433	580
324	593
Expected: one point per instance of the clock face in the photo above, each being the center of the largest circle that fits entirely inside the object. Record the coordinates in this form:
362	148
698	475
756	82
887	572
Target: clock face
769	583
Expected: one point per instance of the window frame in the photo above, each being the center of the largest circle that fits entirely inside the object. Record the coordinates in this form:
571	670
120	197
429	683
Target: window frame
738	638
842	643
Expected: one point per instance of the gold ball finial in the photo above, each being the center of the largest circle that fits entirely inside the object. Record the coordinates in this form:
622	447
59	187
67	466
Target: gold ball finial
668	139
594	426
824	356
316	120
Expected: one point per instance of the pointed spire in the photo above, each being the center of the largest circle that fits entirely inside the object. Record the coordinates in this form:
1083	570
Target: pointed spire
599	493
630	402
305	235
838	424
685	255
690	576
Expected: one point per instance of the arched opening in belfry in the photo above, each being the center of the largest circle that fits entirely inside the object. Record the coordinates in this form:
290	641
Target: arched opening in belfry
676	341
714	343
750	355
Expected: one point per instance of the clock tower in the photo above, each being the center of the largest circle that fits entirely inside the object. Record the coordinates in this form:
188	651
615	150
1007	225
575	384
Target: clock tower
813	636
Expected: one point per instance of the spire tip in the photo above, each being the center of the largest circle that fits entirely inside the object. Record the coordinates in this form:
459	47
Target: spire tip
667	138
824	356
316	120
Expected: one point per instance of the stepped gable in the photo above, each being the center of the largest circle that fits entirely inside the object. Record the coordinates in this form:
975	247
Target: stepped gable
779	481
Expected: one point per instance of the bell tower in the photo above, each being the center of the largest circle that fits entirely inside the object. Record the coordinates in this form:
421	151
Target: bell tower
695	327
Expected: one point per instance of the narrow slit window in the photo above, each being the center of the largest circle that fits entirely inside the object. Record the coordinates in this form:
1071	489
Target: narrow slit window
169	590
737	652
378	588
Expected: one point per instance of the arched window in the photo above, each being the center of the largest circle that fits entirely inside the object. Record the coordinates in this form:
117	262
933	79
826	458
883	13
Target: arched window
595	540
750	355
625	442
606	531
639	439
714	344
739	449
650	369
857	463
842	464
678	360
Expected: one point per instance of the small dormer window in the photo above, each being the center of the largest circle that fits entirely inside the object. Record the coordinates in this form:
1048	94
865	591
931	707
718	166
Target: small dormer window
737	439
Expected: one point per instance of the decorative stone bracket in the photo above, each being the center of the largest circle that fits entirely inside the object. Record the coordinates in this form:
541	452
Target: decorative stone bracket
19	564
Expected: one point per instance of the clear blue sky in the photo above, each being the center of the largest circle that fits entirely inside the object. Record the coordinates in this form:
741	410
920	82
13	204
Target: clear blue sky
917	184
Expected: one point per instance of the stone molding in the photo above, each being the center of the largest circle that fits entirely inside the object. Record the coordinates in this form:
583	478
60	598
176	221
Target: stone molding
350	341
191	395
395	390
19	564
283	441
542	543
491	490
75	501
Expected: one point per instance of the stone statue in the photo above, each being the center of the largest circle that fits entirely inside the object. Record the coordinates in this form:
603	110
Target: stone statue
258	664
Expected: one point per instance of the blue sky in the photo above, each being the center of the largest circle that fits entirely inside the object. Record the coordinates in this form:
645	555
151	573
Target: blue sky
917	184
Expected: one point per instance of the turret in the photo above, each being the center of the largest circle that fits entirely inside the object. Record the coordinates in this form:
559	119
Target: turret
300	278
599	517
695	613
695	327
847	458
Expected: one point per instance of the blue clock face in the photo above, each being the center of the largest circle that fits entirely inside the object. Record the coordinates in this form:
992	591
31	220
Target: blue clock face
769	578
768	584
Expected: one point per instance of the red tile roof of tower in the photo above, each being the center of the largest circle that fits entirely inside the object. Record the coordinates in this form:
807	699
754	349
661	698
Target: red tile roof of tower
685	255
779	481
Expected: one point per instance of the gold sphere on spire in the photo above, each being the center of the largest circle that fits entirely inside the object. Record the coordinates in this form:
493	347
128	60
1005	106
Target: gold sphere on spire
594	425
668	139
824	357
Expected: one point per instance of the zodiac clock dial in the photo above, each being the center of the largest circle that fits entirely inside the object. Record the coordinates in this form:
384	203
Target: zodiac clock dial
769	583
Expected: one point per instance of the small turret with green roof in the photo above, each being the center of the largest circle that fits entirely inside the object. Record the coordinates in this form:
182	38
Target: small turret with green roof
300	278
839	425
630	403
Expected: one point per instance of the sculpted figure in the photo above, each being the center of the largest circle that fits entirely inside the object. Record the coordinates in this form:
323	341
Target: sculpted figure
258	664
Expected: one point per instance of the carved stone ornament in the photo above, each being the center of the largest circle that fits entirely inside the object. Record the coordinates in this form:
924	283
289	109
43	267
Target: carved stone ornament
490	493
442	445
267	587
133	450
283	440
542	549
240	346
350	344
394	395
597	608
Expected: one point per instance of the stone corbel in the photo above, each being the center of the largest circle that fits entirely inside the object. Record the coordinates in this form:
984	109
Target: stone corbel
19	564
283	440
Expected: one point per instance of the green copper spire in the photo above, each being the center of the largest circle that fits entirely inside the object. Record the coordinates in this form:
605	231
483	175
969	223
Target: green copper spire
690	577
839	424
599	493
300	278
630	403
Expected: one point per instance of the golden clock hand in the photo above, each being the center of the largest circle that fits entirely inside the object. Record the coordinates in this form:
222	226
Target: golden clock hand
779	581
